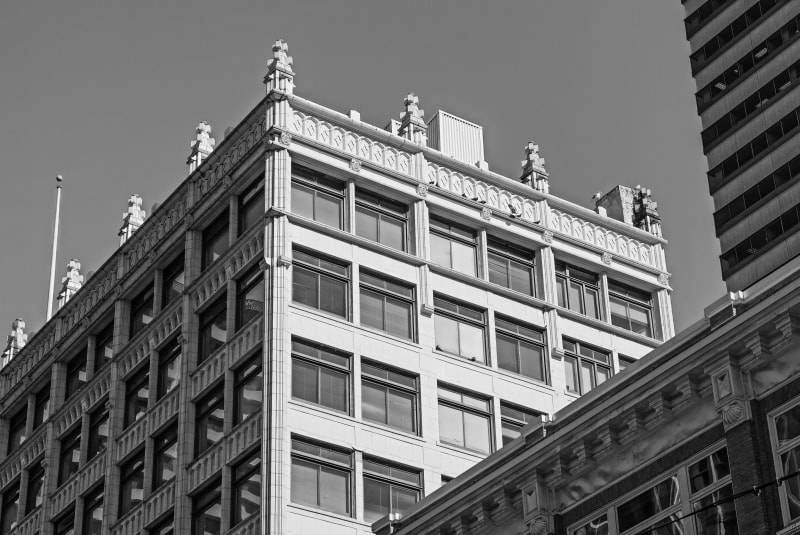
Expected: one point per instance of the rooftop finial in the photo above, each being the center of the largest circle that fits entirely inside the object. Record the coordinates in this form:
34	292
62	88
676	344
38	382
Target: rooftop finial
412	124
132	219
70	283
280	75
533	171
201	146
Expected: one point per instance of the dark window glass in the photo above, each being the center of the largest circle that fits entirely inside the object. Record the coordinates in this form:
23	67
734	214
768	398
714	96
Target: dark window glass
103	347
207	511
520	349
709	470
586	367
460	329
65	525
389	397
169	367
131	484
453	246
213	328
321	375
93	512
320	283
511	266
98	431
34	496
317	197
250	297
210	418
10	508
624	362
752	245
716	513
41	411
141	310
703	14
251	207
76	373
165	455
246	488
215	240
649	503
465	421
249	387
389	489
16	429
577	290
321	477
514	418
137	394
69	454
631	309
387	305
165	527
174	281
381	220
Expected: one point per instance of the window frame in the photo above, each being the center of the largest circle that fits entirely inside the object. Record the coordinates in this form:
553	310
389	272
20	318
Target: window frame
626	296
317	270
142	306
368	282
41	410
513	420
387	384
322	462
17	427
205	407
205	500
502	327
242	474
318	183
247	202
135	384
69	442
171	353
208	318
329	364
36	471
382	208
104	339
76	367
169	277
464	407
10	498
565	276
778	450
163	442
511	253
250	370
391	480
215	234
92	502
97	419
575	354
130	470
458	317
253	278
65	523
453	232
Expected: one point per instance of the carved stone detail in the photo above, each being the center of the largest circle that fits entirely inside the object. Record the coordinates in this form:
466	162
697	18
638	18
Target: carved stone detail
355	165
547	236
663	279
486	213
422	190
286	138
606	258
732	412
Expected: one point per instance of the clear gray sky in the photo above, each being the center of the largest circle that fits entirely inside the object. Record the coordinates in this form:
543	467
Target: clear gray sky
107	93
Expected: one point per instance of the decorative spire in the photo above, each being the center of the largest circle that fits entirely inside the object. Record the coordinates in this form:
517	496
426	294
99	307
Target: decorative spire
15	341
201	147
645	211
533	171
71	283
280	75
412	122
132	219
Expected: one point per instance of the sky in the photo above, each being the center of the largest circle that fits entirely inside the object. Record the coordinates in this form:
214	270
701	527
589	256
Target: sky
108	93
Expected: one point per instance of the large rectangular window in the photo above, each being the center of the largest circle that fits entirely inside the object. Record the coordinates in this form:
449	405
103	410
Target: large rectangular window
710	484
655	505
520	349
141	310
785	431
321	477
317	197
389	489
165	527
76	374
249	389
69	454
514	418
93	512
165	455
511	266
207	511
103	347
169	367
387	305
465	420
251	207
131	483
137	395
631	309
460	329
41	410
453	246
34	497
381	220
65	524
578	290
320	283
215	240
246	487
9	508
213	328
98	431
174	281
16	429
389	397
250	297
586	367
321	375
210	418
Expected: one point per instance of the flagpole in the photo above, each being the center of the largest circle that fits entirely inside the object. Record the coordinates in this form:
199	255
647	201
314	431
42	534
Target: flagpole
59	179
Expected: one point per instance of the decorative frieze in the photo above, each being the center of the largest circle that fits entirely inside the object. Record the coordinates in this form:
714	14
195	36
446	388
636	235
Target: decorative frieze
30	450
30	524
149	510
152	336
91	393
155	417
87	476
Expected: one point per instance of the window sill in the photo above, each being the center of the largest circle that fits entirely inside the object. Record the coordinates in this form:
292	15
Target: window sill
527	381
313	409
456	358
464	452
613	329
393	432
384	335
321	313
324	515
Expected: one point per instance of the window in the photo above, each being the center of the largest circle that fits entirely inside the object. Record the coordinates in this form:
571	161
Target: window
165	455
250	297
320	283
41	411
321	375
76	374
165	527
389	397
141	310
710	483
514	418
631	309
210	419
10	507
624	362
785	431
213	328
169	367
17	429
389	489
511	266
381	220
520	349
215	240
752	245
246	489
586	367
65	525
597	526
577	290
69	455
655	505
249	389
34	496
131	484
459	329
93	512
387	305
137	394
321	477
98	431
465	420
207	511
453	246
103	347
317	197
251	207
173	281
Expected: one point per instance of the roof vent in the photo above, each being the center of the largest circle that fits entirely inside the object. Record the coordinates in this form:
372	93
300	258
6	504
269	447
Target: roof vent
456	137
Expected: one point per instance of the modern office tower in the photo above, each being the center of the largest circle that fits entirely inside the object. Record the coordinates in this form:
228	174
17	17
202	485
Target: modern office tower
745	58
324	322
